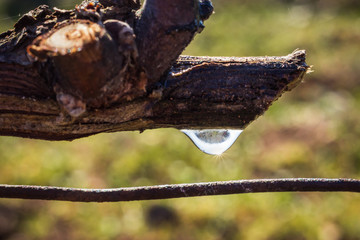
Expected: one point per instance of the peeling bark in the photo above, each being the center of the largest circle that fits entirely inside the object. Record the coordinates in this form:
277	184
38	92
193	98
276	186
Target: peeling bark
199	92
106	67
172	24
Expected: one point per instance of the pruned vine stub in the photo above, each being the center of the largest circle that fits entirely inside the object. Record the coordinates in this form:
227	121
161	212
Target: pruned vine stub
113	65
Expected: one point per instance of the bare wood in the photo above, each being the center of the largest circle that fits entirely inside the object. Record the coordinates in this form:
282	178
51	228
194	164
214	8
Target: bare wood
199	92
180	190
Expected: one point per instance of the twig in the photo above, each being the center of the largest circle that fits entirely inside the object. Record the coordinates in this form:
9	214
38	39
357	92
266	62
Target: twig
180	190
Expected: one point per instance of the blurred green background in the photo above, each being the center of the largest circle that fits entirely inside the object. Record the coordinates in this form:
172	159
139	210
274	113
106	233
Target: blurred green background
312	131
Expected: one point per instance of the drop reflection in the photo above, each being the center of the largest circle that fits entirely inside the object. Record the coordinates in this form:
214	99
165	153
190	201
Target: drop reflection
213	141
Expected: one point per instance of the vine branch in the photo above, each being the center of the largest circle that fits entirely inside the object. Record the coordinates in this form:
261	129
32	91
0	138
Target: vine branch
180	190
199	92
110	66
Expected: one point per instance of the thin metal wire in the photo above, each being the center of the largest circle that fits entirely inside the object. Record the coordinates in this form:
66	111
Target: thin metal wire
180	190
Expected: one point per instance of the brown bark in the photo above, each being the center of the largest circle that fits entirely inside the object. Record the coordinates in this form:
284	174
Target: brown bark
172	24
71	74
199	93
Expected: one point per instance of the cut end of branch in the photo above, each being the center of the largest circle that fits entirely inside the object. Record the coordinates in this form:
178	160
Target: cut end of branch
94	65
67	39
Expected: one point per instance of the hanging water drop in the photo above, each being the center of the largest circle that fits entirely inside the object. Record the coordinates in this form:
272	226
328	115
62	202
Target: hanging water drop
213	141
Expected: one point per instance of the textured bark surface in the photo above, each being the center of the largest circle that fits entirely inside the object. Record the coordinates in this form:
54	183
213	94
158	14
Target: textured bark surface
198	93
172	24
116	70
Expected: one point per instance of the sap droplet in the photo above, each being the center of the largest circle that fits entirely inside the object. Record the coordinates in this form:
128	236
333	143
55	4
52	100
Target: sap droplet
213	141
